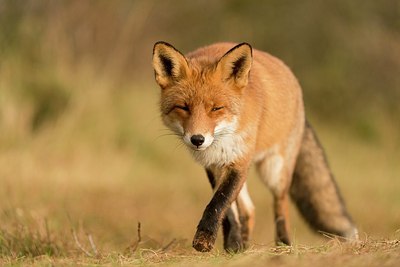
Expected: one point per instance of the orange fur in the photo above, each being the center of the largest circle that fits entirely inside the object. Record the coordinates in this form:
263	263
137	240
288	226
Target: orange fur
234	105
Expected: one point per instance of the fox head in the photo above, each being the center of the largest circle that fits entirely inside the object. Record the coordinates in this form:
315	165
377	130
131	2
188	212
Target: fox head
201	93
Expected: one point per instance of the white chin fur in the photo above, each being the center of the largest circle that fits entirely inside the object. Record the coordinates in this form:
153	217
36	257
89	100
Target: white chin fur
222	147
225	147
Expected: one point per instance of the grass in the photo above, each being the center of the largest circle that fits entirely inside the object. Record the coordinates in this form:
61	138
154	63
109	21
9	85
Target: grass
369	252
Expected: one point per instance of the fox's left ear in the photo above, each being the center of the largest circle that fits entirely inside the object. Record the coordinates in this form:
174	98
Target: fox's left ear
235	64
169	64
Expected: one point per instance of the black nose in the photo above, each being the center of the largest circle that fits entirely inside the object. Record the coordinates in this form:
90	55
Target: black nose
197	139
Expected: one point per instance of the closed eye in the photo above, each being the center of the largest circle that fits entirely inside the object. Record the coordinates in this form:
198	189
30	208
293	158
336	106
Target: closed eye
216	108
185	108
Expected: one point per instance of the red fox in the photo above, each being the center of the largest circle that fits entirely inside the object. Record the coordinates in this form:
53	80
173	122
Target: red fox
232	106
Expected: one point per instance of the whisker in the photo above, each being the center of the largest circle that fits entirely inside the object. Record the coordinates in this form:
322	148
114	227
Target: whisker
163	129
178	145
167	134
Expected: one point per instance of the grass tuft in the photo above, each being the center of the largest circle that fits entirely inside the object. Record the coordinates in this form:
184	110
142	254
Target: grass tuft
27	238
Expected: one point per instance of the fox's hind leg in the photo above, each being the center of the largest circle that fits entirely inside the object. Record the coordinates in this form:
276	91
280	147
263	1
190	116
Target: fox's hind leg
276	175
246	214
238	221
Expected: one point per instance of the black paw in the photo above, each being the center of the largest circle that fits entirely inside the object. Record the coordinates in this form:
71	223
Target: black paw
234	243
282	235
204	240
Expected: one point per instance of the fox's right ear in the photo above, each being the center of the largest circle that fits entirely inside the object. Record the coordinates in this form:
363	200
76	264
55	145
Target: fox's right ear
169	64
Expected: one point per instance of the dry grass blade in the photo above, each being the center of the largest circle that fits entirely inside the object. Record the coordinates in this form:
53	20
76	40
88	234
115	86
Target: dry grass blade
169	245
92	245
79	245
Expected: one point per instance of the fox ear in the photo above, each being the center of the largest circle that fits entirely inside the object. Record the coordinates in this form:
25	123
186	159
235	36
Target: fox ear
235	64
169	64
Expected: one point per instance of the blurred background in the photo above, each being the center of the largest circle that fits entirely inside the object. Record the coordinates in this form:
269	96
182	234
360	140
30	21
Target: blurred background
81	142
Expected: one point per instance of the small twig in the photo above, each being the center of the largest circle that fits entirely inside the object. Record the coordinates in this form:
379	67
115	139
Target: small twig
138	233
79	244
132	248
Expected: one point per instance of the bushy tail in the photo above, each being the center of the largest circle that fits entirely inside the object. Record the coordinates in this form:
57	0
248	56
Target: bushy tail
315	192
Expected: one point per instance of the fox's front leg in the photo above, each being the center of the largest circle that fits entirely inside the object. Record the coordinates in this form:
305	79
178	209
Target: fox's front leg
226	193
231	225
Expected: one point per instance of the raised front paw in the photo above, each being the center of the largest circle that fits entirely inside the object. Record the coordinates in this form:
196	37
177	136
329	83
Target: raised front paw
204	240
